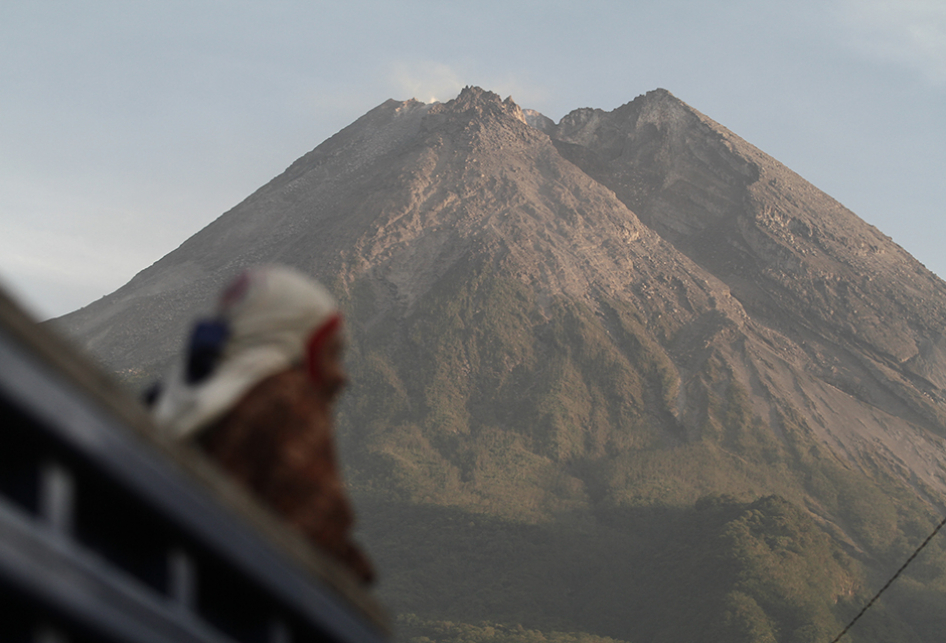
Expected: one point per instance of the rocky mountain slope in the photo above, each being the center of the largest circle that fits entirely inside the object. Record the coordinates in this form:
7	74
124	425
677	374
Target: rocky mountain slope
562	332
867	316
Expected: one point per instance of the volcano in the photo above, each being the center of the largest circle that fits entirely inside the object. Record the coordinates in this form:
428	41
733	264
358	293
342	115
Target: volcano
623	375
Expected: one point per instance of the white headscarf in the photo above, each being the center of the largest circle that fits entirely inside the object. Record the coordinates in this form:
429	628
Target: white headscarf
270	312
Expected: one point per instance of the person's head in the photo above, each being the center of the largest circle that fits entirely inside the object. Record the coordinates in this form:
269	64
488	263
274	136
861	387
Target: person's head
279	307
268	319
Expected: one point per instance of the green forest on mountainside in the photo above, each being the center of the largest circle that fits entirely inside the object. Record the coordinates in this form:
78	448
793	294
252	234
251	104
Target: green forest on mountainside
543	483
721	570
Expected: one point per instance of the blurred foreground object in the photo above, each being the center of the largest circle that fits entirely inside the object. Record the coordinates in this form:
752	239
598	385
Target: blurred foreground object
256	388
109	532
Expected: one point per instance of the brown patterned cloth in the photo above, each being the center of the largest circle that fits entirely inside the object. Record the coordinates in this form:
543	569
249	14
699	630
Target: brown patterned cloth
278	442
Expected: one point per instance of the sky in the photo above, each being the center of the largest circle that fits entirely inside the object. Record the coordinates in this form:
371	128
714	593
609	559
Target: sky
127	126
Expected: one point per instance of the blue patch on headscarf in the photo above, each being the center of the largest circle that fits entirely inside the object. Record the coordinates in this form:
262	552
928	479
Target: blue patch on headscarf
206	346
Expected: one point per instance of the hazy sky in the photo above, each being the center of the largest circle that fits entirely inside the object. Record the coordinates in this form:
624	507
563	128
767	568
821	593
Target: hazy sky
125	127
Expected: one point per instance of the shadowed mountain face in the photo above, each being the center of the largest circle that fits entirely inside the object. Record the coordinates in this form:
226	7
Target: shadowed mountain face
559	331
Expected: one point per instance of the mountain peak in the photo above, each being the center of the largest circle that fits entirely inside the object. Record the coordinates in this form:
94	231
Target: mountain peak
472	93
479	101
649	223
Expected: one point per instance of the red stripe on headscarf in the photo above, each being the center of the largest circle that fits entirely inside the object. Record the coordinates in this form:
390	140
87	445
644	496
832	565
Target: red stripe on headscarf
315	343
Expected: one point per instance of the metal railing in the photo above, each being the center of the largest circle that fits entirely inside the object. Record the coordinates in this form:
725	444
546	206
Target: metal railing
108	534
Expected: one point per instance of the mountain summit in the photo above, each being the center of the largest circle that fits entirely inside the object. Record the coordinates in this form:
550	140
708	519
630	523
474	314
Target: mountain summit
580	323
